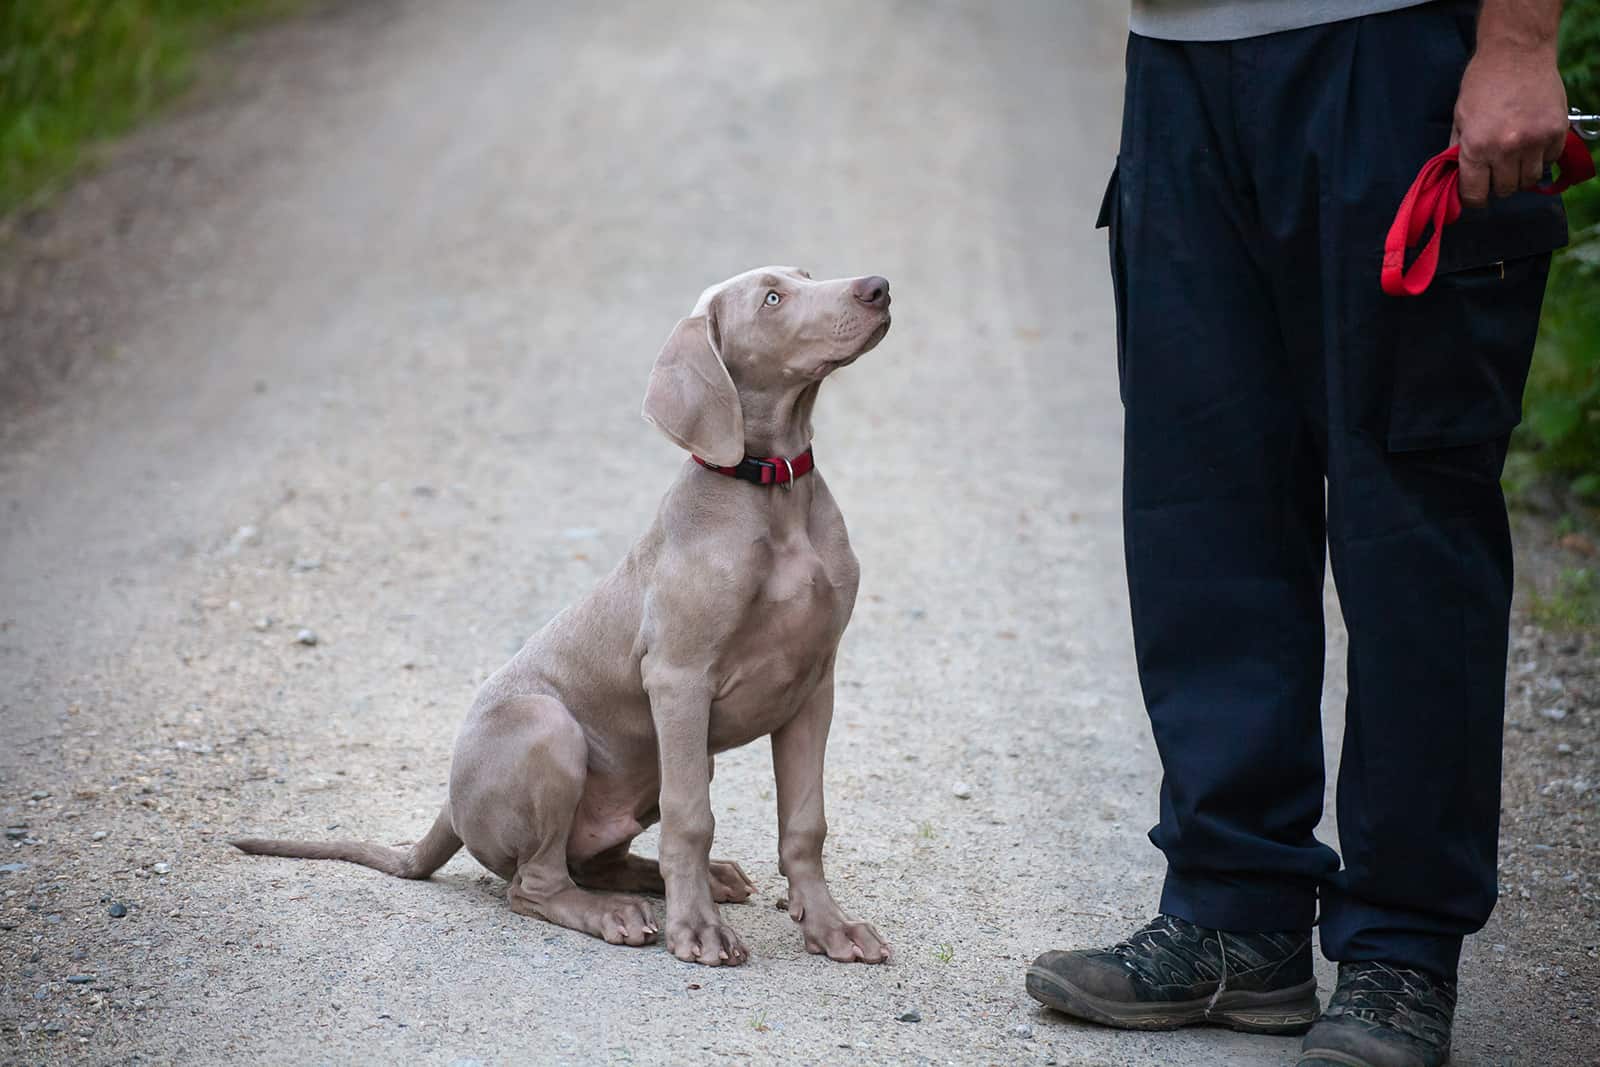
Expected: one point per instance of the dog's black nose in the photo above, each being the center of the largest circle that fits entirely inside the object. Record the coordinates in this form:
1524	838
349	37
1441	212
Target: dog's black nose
872	291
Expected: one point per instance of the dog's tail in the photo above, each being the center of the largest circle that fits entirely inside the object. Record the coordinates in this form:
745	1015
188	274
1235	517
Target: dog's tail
418	861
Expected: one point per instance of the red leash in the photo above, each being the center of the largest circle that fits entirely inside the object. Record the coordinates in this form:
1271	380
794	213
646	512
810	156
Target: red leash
1435	198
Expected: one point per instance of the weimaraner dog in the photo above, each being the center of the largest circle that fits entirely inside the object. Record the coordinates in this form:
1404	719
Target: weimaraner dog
719	627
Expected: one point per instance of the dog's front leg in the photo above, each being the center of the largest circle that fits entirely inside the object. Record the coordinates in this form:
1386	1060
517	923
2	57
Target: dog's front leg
797	757
696	933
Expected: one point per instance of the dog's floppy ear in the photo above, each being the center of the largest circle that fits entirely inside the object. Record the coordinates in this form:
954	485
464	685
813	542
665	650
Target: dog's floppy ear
691	398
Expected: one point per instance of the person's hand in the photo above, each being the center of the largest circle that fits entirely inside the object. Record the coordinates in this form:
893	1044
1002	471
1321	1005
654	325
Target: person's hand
1511	118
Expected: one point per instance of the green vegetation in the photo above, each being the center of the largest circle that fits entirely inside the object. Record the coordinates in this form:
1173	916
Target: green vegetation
1560	435
76	71
1574	604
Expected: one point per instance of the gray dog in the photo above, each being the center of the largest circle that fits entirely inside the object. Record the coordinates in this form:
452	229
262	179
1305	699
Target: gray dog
719	627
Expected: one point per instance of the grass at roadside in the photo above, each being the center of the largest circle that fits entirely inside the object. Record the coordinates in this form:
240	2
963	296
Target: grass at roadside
1560	435
73	72
1574	603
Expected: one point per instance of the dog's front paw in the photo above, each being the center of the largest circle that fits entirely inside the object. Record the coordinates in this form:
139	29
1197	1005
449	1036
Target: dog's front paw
706	941
844	940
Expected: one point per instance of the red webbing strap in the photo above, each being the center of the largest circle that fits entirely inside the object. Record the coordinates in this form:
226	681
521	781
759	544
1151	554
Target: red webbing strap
1435	197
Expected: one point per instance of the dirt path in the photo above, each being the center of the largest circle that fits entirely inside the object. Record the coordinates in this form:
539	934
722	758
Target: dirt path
361	343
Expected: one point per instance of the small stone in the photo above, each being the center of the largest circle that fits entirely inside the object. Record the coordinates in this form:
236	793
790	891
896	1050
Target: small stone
263	624
242	536
912	1016
1024	1032
99	835
39	794
52	919
1554	714
79	979
962	790
306	637
16	833
12	868
117	910
307	563
161	868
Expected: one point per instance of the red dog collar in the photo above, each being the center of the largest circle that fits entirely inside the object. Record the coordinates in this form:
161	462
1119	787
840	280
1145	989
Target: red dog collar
1434	199
773	470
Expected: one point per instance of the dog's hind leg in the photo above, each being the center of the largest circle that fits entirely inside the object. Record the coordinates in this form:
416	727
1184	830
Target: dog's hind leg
621	870
528	809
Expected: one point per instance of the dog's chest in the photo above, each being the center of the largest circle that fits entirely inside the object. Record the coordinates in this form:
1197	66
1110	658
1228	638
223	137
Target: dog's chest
785	640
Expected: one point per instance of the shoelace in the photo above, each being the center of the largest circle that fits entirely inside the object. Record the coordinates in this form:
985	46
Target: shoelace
1166	935
1146	937
1397	998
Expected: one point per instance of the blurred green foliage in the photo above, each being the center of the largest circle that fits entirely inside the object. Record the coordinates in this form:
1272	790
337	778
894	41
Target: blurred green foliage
1573	604
74	71
1560	434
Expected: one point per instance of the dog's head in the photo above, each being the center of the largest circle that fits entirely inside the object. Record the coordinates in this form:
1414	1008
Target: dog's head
770	330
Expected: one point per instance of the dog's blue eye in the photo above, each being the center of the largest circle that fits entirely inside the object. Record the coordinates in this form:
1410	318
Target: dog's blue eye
773	299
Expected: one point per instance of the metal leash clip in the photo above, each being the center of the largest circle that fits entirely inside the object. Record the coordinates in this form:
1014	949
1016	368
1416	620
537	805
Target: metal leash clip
1587	126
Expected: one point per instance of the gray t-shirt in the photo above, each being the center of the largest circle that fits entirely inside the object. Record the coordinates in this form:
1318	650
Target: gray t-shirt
1227	20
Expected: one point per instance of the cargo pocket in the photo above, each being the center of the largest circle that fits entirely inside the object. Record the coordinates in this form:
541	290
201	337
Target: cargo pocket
1463	347
1110	220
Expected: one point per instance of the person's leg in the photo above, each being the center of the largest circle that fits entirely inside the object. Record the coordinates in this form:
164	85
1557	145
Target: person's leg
1222	510
1420	394
1223	519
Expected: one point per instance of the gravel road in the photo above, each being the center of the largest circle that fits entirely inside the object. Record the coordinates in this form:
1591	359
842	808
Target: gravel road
358	339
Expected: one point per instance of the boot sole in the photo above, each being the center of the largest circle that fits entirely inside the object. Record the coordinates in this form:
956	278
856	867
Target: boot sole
1282	1011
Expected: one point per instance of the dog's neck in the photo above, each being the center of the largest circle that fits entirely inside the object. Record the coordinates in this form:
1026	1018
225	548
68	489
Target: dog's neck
779	424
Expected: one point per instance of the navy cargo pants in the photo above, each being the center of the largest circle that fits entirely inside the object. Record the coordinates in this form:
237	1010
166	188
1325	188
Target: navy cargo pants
1278	404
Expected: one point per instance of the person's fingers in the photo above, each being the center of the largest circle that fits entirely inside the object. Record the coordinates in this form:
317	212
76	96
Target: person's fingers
1474	181
1555	146
1532	168
1505	174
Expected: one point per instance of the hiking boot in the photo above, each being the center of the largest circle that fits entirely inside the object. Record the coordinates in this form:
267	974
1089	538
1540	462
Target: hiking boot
1173	973
1383	1016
